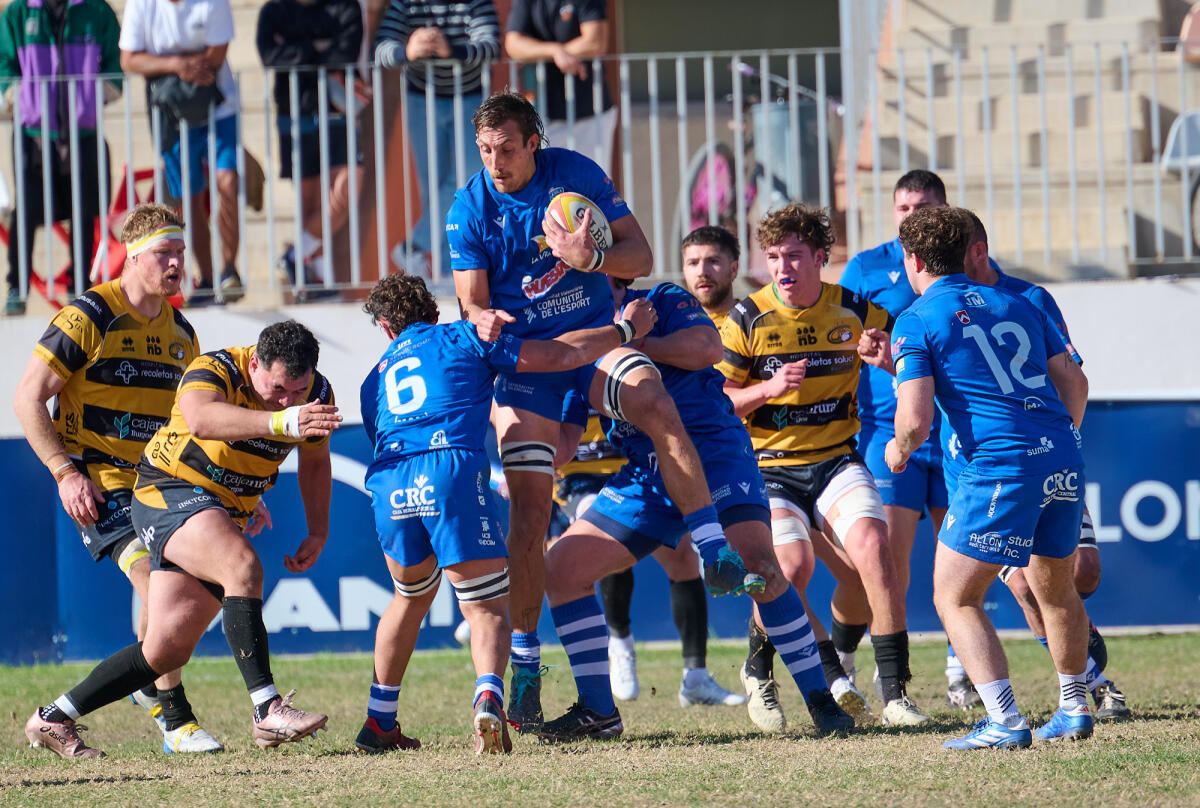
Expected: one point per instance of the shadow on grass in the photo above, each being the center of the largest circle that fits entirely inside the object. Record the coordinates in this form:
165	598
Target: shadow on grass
51	782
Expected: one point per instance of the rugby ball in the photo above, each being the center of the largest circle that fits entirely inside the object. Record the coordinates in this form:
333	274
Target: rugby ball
567	209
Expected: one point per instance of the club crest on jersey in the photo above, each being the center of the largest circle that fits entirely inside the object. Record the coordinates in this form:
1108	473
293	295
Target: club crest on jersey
534	288
556	190
839	334
963	317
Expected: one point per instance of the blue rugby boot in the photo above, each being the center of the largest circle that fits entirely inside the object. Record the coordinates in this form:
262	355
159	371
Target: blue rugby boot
1074	725
988	734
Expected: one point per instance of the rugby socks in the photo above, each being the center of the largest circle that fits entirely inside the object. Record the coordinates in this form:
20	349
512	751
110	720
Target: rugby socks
760	662
616	592
489	683
176	711
584	636
1000	702
954	668
891	658
831	664
1072	692
689	610
383	705
247	638
845	638
706	532
115	678
150	691
526	651
787	625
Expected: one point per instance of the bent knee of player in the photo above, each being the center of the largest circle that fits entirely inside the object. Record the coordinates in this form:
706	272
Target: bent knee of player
1087	571
648	405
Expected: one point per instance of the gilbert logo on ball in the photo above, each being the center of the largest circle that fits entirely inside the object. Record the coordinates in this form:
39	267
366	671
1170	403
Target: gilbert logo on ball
568	208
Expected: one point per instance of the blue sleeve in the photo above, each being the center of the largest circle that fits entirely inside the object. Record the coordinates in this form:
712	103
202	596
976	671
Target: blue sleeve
368	402
593	183
1045	301
1054	341
464	236
910	348
500	356
852	275
677	309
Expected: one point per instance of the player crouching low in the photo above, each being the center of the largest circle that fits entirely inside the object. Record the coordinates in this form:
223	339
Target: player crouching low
425	407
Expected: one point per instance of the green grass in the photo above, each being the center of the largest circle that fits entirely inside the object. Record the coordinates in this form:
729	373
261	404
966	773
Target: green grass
668	756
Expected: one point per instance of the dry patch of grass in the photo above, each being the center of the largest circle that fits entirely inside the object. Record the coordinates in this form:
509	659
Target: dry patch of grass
668	756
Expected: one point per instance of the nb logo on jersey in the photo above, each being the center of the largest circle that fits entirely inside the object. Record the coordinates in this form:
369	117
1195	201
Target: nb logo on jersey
126	371
438	439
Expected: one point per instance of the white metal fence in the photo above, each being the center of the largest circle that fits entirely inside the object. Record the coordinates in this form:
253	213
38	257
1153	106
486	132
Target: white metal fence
1068	152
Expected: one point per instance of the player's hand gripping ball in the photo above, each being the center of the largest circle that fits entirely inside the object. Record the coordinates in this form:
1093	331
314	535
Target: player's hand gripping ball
567	210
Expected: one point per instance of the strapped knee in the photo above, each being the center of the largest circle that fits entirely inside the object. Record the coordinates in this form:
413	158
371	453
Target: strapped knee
527	455
610	403
416	589
485	587
127	552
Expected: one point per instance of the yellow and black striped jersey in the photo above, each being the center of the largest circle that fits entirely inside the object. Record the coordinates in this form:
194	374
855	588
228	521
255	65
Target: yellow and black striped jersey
595	454
820	420
120	370
718	317
237	471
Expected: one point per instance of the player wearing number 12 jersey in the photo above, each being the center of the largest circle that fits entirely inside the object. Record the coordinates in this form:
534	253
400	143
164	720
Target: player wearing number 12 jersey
1001	373
425	408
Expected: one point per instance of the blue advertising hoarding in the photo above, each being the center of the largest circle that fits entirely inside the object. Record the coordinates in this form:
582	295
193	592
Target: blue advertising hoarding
1143	489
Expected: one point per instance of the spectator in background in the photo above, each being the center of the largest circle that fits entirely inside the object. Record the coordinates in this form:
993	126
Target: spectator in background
411	32
188	39
568	35
84	35
306	34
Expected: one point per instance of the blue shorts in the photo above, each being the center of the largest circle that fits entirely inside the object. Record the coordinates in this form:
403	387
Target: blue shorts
437	503
546	394
227	145
921	485
1004	520
635	510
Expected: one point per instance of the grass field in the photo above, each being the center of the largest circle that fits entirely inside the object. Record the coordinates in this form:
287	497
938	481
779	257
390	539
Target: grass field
668	756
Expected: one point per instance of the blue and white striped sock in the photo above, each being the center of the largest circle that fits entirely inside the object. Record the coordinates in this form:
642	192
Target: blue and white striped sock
584	635
489	683
383	705
788	627
707	535
526	653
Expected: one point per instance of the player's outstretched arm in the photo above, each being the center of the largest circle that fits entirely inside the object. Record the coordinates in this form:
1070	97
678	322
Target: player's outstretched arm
1071	383
316	483
575	348
210	417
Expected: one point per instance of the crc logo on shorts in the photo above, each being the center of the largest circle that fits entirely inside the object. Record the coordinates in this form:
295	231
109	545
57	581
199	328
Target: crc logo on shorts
1062	486
991	542
416	500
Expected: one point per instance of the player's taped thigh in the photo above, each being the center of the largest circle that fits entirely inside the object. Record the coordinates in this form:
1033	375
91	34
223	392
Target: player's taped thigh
527	455
791	528
1006	572
127	552
415	589
485	587
610	397
852	490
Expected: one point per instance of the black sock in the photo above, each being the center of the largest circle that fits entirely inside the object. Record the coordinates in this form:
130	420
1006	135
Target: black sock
150	691
247	638
175	708
1097	648
616	595
830	662
760	663
891	657
846	637
689	609
116	677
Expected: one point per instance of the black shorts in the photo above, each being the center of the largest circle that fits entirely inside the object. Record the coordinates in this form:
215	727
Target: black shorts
113	525
161	504
310	147
803	485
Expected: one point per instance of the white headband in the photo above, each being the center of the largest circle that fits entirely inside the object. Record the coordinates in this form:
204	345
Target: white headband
146	242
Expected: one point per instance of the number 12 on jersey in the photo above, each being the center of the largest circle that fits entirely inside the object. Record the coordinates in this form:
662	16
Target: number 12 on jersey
1016	366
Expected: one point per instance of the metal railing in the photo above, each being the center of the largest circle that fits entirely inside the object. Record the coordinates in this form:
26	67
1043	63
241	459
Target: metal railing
704	138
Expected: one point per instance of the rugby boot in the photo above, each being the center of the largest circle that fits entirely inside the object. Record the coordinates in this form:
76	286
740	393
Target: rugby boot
581	722
491	730
988	734
1073	725
373	740
284	723
728	575
61	738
